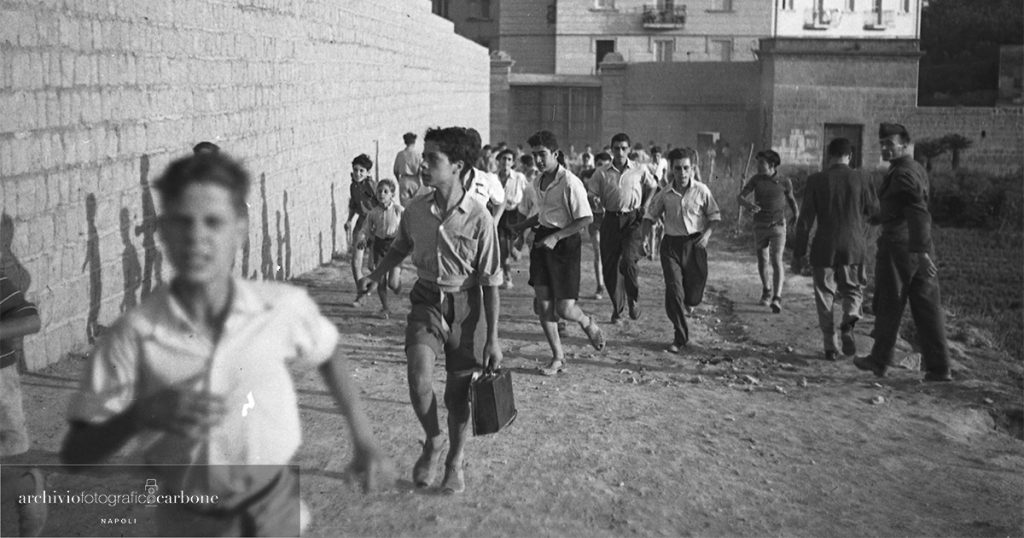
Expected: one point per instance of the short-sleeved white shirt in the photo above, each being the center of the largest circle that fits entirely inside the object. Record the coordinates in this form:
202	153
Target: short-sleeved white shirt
564	201
486	187
156	346
514	187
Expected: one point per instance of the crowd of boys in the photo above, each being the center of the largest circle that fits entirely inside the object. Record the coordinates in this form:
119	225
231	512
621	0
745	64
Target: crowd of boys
209	341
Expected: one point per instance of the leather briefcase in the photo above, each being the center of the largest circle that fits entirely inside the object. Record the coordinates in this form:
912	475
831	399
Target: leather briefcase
491	402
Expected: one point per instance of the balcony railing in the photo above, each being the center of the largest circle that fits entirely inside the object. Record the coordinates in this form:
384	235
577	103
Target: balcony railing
664	17
879	20
815	19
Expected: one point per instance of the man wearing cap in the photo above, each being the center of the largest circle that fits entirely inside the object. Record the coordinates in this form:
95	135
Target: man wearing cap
838	200
772	193
407	169
904	268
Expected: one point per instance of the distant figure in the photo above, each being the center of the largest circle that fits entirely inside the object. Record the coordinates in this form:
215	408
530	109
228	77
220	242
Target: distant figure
407	169
772	193
904	269
594	228
838	200
514	183
378	233
362	198
205	147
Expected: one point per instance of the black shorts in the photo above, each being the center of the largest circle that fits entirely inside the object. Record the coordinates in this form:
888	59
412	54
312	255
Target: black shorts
557	268
380	248
450	324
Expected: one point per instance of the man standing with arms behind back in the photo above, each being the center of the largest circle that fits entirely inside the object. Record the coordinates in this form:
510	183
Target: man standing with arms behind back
904	269
839	200
407	169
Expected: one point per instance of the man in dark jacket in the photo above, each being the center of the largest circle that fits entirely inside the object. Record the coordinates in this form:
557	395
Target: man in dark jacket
839	200
904	269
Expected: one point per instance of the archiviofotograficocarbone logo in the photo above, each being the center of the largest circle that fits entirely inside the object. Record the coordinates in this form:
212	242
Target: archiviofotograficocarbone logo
150	496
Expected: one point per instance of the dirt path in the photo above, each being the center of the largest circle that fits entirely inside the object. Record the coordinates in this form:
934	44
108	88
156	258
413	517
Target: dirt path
746	433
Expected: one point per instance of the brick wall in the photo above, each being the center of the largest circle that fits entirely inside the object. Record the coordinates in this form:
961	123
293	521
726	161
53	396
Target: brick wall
97	97
818	82
671	103
527	36
997	135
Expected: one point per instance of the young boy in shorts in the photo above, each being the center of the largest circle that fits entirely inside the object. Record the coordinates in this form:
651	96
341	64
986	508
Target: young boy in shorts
453	242
175	371
772	192
362	198
563	210
18	318
594	228
514	183
379	232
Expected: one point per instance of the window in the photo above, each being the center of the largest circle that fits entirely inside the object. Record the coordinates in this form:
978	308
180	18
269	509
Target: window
721	50
787	5
440	7
663	49
485	9
851	5
721	5
603	47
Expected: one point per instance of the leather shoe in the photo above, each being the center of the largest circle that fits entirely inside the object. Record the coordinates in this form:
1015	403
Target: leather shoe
849	344
868	363
831	355
634	311
938	376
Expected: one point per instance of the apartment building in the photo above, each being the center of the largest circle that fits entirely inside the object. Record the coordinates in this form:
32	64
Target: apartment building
571	37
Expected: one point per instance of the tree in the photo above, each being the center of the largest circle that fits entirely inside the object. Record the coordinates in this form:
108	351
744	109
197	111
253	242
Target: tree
956	143
927	149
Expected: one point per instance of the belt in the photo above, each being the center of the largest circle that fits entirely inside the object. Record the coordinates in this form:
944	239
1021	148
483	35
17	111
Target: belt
622	212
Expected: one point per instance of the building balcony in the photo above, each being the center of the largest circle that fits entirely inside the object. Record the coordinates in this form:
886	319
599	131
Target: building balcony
664	17
879	20
823	19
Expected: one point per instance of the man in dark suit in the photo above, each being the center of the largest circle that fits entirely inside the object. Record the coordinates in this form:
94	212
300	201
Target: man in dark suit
839	200
904	269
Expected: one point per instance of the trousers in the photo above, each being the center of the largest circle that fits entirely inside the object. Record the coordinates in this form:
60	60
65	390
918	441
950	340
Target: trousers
842	283
621	248
899	280
685	267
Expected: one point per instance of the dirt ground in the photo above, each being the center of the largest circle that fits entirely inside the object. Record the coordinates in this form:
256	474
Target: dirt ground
746	433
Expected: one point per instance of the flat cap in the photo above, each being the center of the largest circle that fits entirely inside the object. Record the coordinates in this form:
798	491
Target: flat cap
885	130
770	157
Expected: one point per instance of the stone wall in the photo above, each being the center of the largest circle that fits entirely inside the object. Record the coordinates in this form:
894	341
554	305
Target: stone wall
97	97
996	133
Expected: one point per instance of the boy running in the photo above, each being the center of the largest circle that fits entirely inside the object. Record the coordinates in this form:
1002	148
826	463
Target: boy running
453	242
378	233
362	197
514	183
176	370
562	211
772	193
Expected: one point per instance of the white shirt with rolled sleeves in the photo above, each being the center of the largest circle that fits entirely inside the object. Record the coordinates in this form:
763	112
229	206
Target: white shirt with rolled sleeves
514	187
455	250
485	186
155	347
564	201
687	212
